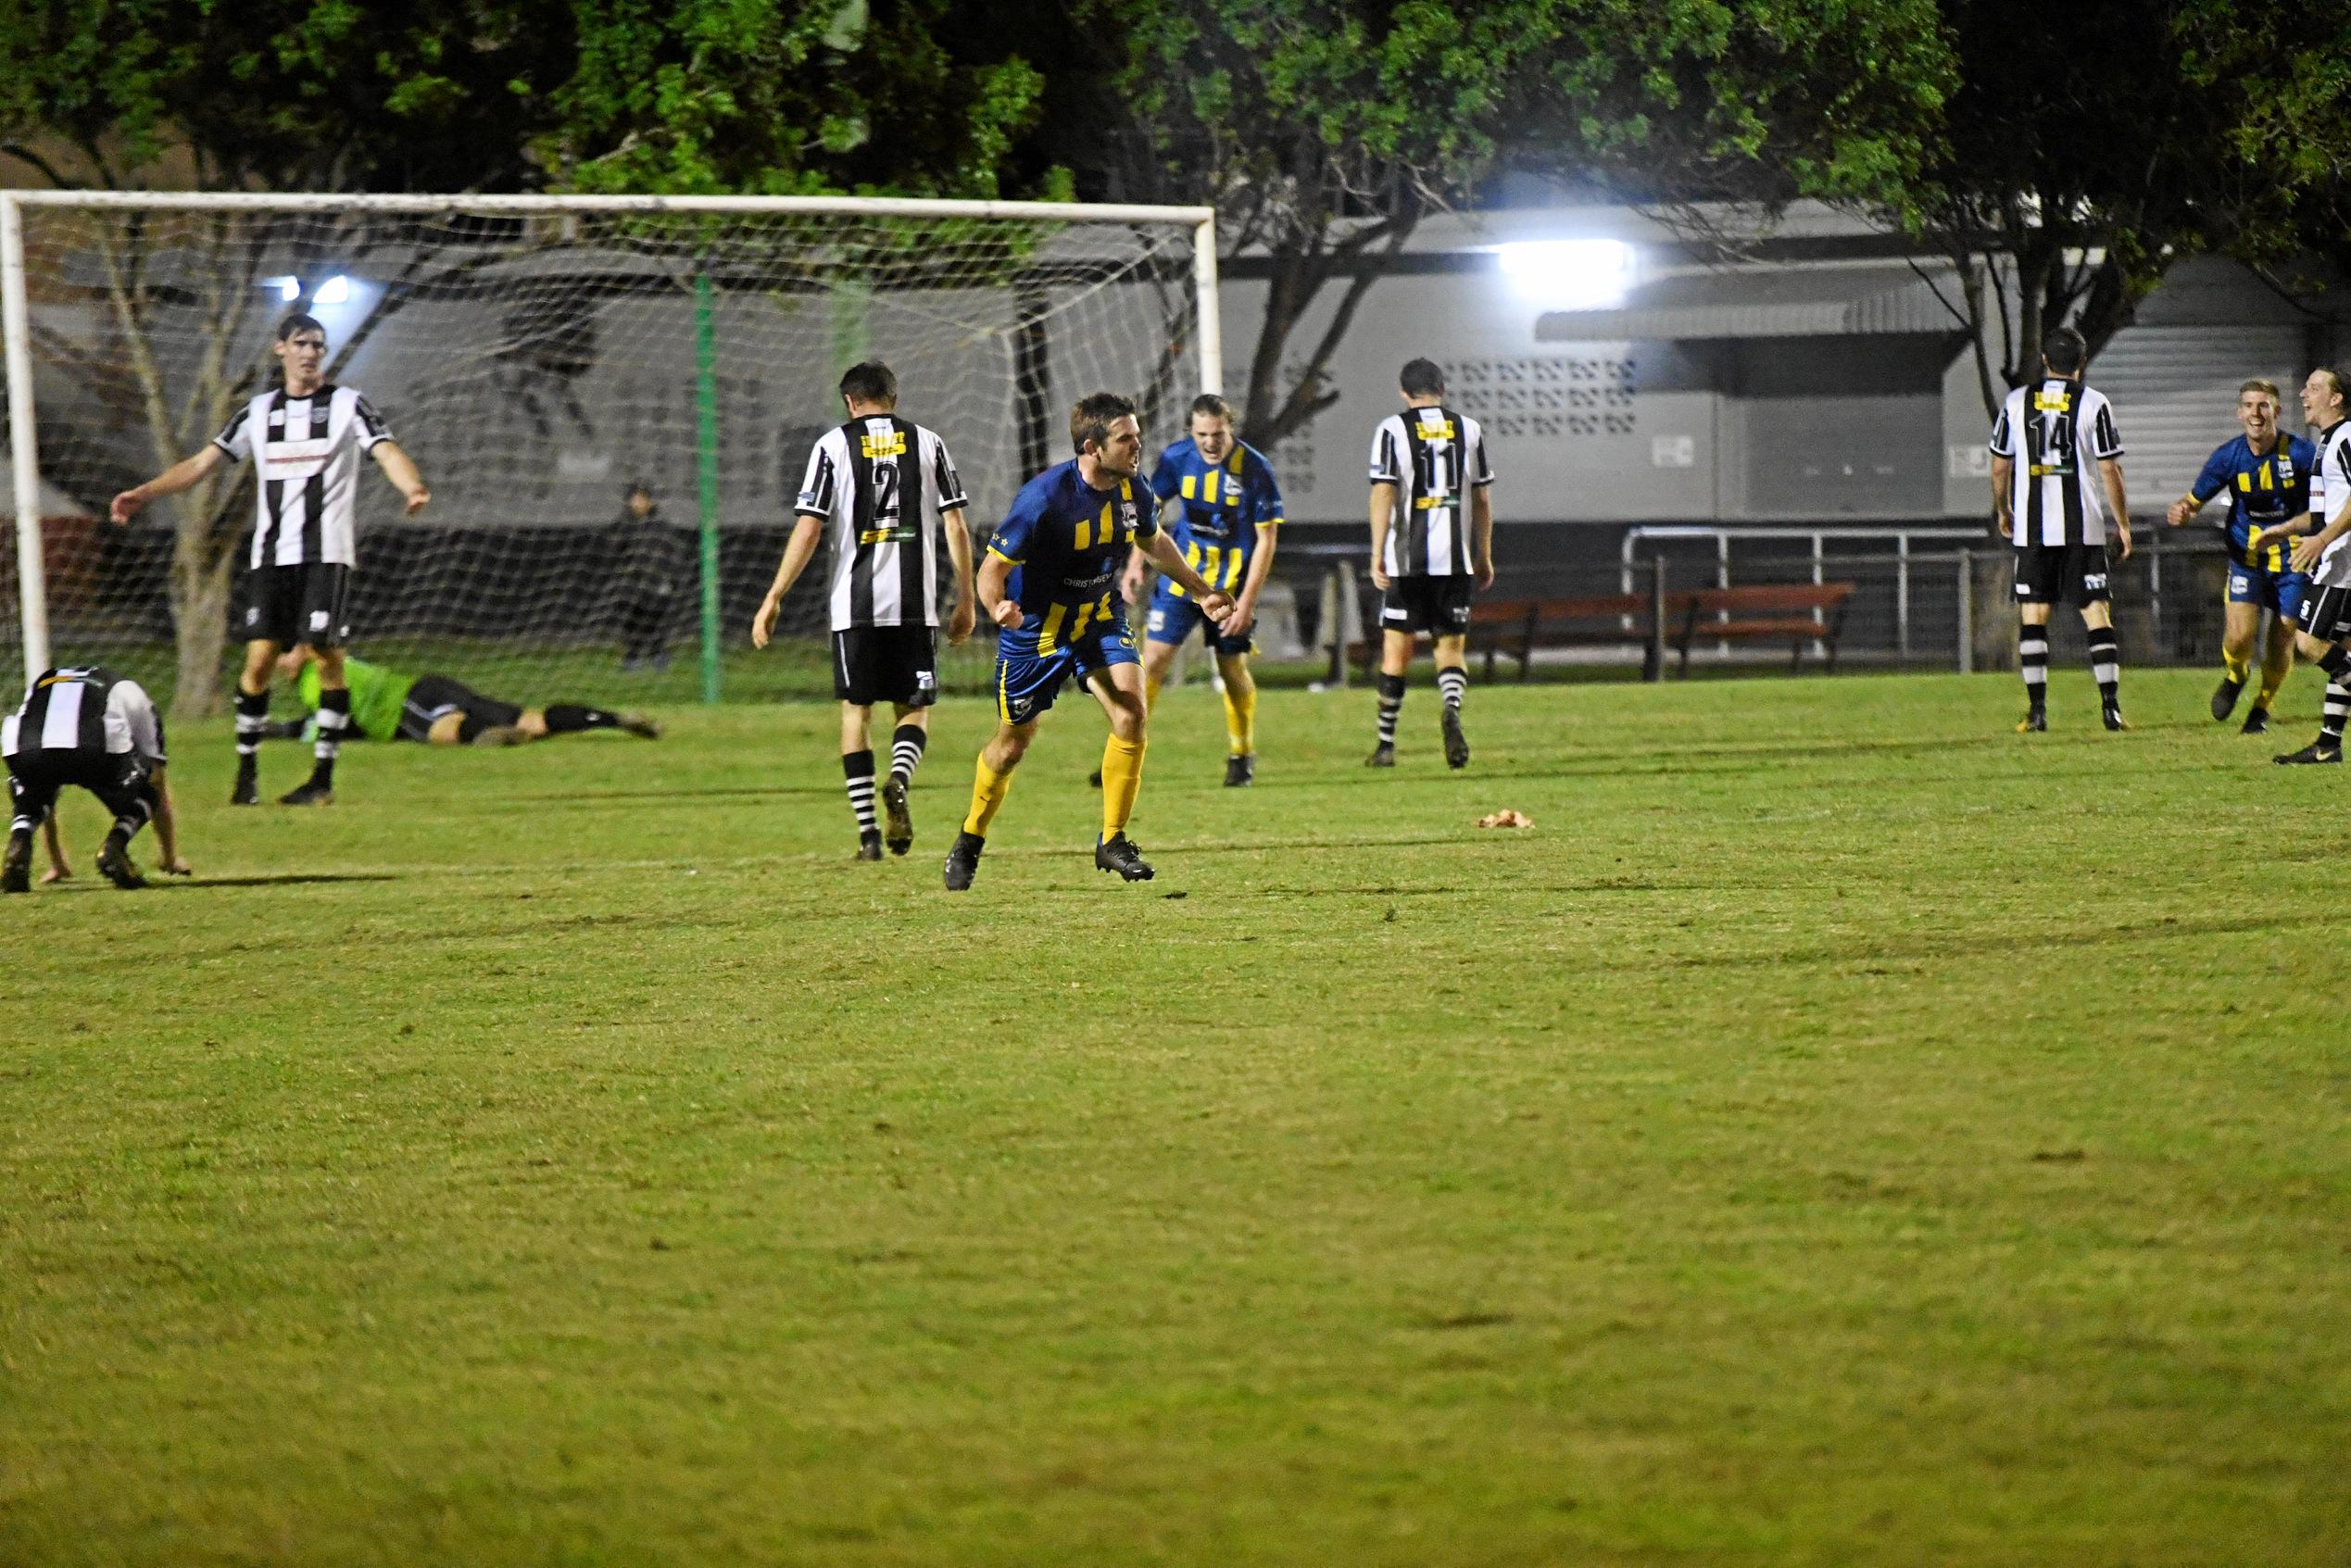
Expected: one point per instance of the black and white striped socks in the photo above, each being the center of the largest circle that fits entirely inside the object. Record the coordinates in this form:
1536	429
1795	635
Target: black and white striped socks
1392	702
334	716
906	751
857	769
1452	685
253	725
2032	658
2332	712
2106	664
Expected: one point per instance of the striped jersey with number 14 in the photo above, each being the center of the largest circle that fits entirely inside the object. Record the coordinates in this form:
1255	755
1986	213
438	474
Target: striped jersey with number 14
2056	432
881	486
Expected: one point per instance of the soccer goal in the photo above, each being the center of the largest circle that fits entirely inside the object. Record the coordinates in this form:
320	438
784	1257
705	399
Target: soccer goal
542	358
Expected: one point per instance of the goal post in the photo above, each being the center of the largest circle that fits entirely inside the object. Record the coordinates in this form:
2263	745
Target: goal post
538	356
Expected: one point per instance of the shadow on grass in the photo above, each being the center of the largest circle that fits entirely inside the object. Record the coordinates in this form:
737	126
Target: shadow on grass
274	879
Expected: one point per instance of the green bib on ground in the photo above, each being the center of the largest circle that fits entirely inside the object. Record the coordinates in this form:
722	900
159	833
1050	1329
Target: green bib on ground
377	695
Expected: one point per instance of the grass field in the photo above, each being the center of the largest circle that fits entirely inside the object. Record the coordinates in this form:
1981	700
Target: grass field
1839	1132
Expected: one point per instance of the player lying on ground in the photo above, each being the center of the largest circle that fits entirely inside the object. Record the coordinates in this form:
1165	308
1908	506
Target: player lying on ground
1429	551
2324	626
86	727
2050	438
438	710
889	492
304	439
2267	476
1051	583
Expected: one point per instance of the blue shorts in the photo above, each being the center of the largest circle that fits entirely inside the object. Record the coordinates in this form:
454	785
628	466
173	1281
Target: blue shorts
2280	590
1174	616
1026	683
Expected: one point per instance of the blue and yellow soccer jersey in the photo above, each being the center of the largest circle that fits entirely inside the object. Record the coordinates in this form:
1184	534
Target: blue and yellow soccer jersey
1066	541
1224	505
2265	489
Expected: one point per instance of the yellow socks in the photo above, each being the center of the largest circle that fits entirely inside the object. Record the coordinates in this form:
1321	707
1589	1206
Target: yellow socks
2236	669
2269	684
1150	694
1122	780
1241	718
988	789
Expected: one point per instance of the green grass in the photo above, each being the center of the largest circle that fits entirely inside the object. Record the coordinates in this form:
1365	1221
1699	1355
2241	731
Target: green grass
1842	1131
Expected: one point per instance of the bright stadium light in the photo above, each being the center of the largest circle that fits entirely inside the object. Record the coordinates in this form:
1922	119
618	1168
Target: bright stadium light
334	291
1570	274
288	288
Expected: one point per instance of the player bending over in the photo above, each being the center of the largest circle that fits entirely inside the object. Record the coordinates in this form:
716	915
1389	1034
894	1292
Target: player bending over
1227	507
1429	551
2059	518
304	439
88	727
889	492
2267	476
2325	622
1051	583
439	711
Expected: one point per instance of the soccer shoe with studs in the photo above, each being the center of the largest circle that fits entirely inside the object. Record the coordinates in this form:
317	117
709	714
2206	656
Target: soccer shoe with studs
2257	723
2033	724
1457	744
114	864
1240	772
309	793
1095	778
868	846
962	860
2224	698
1121	856
247	790
15	869
2111	717
2318	751
641	727
898	820
1383	756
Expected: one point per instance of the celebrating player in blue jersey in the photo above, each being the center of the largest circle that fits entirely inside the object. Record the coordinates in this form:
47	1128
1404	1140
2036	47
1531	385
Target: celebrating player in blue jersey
2267	475
1230	506
1050	582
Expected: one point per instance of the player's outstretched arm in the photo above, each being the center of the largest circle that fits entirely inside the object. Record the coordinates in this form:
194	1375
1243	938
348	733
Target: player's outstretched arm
2306	553
179	476
1383	509
2118	508
167	826
960	616
798	552
1215	602
54	845
2186	507
400	468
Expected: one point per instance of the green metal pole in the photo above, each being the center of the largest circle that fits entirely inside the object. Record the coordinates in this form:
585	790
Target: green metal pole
707	452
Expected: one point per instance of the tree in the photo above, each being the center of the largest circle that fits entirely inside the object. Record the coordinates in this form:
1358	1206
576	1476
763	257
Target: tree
696	96
1324	130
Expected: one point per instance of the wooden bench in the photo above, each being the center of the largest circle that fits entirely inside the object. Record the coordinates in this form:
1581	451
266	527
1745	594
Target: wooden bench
1517	627
1797	614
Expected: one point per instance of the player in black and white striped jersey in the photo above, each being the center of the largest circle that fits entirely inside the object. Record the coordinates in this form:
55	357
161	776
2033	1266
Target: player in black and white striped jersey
88	727
2057	489
305	438
2324	630
1432	528
887	492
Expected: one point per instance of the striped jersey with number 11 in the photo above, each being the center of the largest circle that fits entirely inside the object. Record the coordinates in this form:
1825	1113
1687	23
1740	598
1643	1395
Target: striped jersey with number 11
2056	432
880	485
1433	457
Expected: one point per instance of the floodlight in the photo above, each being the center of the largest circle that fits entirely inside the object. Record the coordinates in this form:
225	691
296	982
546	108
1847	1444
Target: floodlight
1570	274
288	288
334	291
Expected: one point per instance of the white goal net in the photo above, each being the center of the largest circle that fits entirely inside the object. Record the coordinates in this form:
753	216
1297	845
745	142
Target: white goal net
540	360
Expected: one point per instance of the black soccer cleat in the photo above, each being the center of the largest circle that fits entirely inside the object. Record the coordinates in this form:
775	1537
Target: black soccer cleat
641	726
1121	856
2224	698
901	822
2035	721
248	791
2257	723
2318	751
1383	756
1240	772
2110	715
962	860
16	868
1095	778
869	846
1457	744
114	864
309	793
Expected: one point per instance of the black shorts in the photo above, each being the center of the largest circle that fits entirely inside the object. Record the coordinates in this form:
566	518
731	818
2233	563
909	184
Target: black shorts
117	778
1438	606
875	664
434	697
293	606
2050	574
2326	614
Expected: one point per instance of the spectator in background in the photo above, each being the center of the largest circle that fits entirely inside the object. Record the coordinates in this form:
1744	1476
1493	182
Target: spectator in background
653	573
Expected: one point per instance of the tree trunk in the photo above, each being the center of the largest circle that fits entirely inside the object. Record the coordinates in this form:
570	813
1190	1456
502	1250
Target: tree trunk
202	565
